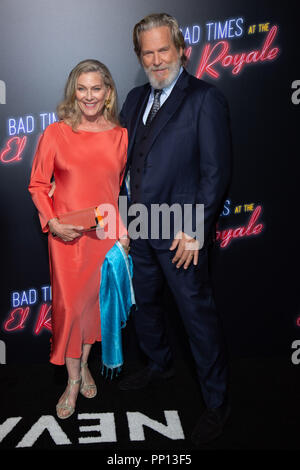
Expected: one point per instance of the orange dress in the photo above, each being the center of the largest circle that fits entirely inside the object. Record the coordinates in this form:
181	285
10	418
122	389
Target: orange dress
88	168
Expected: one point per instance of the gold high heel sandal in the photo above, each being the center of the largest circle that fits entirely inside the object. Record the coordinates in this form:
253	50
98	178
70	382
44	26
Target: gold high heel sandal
65	405
84	386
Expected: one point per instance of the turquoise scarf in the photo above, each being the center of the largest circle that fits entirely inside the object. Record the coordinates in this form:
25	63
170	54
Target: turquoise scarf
116	299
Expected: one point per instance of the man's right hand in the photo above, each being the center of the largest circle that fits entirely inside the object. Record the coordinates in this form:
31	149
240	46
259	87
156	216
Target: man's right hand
66	232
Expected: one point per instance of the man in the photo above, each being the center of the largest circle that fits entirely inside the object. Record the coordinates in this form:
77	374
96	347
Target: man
179	153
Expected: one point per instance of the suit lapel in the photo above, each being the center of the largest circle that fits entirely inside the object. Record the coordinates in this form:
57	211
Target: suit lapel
168	109
163	116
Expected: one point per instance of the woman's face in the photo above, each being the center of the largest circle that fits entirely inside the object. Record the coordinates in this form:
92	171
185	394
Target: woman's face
91	94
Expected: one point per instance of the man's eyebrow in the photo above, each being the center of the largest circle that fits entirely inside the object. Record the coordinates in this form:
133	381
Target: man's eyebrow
147	51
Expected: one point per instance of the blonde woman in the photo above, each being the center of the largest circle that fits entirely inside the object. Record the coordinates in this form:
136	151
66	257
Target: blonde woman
85	152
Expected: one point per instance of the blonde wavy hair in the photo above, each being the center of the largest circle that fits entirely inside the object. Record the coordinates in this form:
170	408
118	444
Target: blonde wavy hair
68	109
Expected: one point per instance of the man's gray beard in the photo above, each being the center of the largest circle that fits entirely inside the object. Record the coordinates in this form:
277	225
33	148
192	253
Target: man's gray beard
160	84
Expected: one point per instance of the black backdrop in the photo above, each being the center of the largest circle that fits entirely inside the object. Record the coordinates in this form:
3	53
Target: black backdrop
255	285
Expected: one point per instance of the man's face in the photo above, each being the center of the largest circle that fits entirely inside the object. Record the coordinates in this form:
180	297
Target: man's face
159	56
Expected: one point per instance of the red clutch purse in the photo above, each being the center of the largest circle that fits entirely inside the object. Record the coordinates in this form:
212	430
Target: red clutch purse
87	218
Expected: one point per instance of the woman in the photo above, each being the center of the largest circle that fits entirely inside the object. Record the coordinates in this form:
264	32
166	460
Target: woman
86	153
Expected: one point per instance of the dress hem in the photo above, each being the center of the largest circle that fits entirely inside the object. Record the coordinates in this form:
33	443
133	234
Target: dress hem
60	363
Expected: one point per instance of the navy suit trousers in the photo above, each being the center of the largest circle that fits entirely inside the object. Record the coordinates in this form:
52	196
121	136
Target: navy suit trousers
192	292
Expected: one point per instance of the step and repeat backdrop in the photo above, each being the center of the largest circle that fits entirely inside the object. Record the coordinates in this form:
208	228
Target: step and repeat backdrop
247	49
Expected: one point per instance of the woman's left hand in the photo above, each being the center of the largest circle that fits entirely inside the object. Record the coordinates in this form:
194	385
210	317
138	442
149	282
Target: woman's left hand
125	241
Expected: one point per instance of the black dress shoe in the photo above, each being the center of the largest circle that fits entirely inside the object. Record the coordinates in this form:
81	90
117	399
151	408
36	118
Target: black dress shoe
143	377
210	425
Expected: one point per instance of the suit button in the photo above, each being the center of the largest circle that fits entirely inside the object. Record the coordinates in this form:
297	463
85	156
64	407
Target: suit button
136	186
141	154
138	170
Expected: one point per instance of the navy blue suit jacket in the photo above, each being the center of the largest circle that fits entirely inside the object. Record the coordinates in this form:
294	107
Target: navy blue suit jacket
188	147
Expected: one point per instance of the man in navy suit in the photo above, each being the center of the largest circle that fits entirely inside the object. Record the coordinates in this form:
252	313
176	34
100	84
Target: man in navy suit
179	153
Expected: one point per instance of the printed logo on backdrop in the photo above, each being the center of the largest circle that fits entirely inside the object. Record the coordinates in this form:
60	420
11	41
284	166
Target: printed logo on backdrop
17	130
2	92
29	307
219	51
245	222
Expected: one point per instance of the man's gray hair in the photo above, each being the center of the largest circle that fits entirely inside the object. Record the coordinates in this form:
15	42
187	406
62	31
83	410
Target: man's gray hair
156	20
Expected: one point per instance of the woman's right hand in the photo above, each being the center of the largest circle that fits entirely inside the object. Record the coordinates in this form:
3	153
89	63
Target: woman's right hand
66	232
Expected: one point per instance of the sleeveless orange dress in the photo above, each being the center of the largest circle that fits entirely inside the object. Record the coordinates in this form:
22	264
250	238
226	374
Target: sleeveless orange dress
88	168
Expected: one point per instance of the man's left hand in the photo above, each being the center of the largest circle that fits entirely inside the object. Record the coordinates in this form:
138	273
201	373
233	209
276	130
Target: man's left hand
187	250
